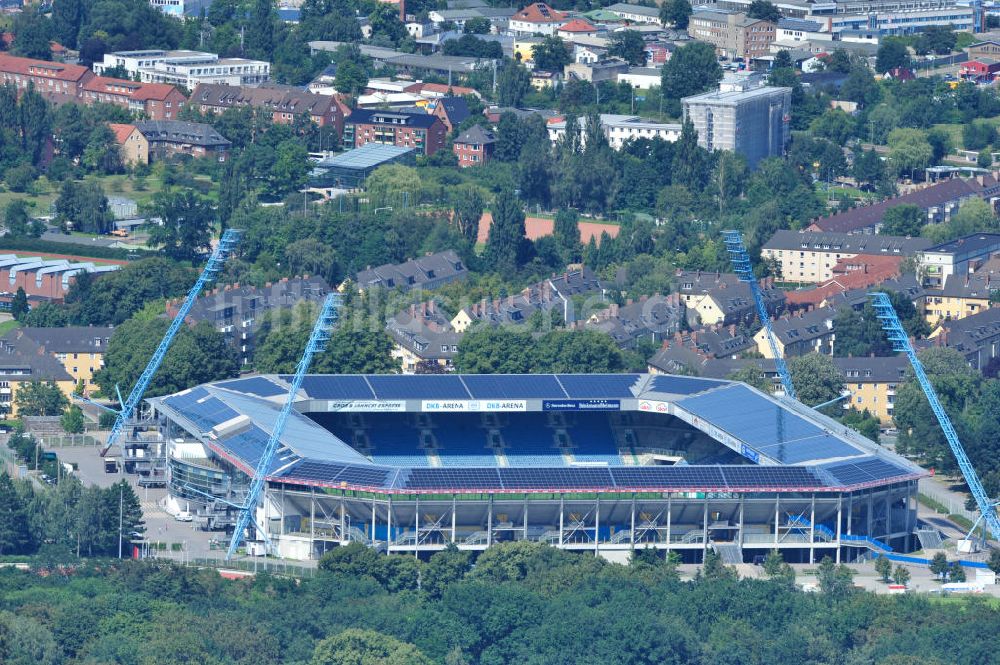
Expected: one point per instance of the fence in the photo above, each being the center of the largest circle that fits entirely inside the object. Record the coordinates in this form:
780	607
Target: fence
247	565
954	503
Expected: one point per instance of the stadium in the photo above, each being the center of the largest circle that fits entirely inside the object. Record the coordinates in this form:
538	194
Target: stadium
597	463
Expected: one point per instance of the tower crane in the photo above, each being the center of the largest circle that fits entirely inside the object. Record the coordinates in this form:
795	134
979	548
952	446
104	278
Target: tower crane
744	270
227	243
901	342
317	343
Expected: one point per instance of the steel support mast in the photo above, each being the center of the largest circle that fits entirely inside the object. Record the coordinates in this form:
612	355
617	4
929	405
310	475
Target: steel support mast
216	261
316	344
901	342
744	270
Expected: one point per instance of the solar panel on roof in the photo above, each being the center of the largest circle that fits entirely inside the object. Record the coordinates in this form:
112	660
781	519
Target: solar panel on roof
865	470
766	426
668	476
535	478
247	445
598	385
485	479
513	386
683	385
418	387
255	385
320	386
205	413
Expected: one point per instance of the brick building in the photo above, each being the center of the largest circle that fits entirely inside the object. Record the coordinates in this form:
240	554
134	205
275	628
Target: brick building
56	81
474	146
285	103
40	278
733	35
405	129
167	138
158	101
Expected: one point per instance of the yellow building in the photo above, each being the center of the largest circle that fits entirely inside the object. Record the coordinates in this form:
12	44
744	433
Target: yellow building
23	362
78	349
961	296
800	334
134	145
722	298
873	383
805	256
524	48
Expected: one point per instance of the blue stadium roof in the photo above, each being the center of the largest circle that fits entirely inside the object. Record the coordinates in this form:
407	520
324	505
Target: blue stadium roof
790	447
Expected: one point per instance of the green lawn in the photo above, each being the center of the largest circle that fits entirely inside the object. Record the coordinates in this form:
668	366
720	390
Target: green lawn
7	326
954	130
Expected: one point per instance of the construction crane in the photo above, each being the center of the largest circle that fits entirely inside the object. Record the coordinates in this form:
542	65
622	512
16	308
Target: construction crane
901	342
216	261
744	270
316	344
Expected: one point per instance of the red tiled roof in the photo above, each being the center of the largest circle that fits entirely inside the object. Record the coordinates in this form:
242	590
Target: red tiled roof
130	89
578	25
121	131
860	272
440	88
539	12
54	70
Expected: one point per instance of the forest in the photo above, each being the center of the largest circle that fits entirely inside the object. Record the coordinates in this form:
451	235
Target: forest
520	603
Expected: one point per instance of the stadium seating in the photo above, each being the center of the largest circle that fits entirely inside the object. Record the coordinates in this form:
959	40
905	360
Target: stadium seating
529	441
463	442
593	440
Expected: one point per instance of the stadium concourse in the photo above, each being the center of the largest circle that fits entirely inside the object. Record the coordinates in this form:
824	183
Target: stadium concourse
602	463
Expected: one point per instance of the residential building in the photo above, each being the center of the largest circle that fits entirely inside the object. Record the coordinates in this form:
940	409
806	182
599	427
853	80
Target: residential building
134	146
168	138
721	298
648	318
956	257
799	334
861	272
595	72
657	53
808	256
642	78
55	81
474	146
285	103
22	362
158	101
905	285
349	169
621	128
423	338
422	131
427	272
453	111
586	54
961	295
537	19
939	201
557	293
733	35
980	70
47	279
438	90
690	350
792	30
237	310
976	337
575	28
873	382
80	349
635	13
186	69
754	123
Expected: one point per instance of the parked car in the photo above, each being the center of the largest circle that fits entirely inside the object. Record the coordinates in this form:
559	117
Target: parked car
184	516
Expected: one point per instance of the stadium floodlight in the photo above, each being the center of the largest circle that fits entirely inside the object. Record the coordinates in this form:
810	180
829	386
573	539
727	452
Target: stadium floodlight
317	343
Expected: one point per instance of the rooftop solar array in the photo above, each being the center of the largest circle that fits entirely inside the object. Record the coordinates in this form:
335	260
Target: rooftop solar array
201	408
513	386
335	387
766	426
311	453
597	386
419	387
255	385
864	470
683	385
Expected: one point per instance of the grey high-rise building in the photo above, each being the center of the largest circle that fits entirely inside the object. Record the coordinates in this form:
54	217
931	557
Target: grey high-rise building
755	123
